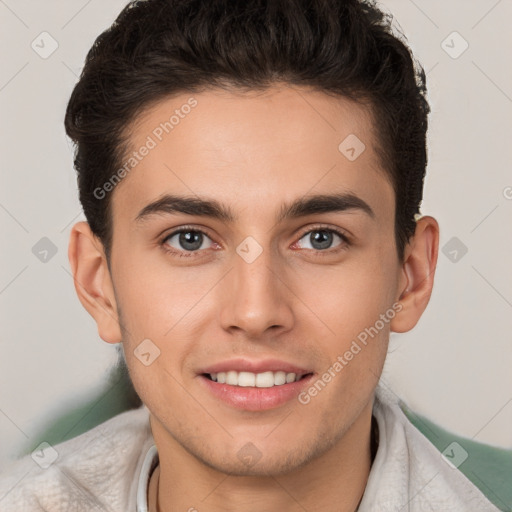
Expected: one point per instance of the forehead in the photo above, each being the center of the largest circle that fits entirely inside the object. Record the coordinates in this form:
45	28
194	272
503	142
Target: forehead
247	147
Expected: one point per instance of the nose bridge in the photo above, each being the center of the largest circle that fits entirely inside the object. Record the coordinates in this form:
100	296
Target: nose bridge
256	298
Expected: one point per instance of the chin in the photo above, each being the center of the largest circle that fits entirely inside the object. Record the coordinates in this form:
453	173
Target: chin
264	461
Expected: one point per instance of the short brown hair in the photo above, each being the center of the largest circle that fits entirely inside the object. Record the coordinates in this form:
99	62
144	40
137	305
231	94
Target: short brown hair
159	48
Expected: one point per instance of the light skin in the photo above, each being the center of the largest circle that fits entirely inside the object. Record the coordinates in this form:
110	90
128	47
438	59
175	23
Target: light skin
299	301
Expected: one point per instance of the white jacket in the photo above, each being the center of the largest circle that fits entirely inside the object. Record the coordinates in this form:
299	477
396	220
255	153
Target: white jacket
105	468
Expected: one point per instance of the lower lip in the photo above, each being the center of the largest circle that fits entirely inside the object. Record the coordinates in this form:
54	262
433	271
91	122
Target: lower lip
256	399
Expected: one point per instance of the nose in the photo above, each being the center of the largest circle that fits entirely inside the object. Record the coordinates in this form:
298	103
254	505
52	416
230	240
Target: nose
256	299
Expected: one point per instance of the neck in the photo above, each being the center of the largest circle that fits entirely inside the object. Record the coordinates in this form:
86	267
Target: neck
335	481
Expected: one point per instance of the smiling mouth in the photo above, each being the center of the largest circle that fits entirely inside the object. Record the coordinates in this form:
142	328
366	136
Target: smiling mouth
258	380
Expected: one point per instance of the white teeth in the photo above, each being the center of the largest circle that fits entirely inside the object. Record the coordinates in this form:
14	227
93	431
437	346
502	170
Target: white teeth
265	380
246	379
259	380
280	378
232	378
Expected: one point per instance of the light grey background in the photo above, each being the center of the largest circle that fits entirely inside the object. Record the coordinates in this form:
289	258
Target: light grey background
455	367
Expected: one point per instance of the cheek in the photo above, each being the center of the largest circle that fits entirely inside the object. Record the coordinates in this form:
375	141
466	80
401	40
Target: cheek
154	298
161	315
350	303
350	298
356	309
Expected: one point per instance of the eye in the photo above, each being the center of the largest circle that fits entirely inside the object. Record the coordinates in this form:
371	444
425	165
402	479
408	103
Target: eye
320	239
186	240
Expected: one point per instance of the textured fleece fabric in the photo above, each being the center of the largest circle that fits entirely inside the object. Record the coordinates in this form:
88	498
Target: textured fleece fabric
100	470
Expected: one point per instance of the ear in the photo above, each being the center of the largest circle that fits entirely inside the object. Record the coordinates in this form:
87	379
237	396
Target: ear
93	282
417	279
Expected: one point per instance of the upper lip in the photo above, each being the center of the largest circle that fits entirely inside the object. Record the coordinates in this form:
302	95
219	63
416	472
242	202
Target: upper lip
246	365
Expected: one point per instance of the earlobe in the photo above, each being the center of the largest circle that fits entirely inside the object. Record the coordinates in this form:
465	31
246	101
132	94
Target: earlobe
418	271
93	282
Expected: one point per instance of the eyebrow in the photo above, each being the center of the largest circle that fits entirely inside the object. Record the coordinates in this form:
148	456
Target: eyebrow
307	205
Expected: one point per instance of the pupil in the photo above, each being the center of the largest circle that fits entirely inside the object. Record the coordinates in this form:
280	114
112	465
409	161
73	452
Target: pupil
191	237
322	239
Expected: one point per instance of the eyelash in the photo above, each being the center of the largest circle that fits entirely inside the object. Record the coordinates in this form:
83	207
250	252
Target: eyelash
187	254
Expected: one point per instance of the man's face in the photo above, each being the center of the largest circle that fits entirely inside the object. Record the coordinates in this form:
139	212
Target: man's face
257	293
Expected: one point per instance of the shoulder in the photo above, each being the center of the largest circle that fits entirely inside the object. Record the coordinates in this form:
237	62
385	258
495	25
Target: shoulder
91	471
444	469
